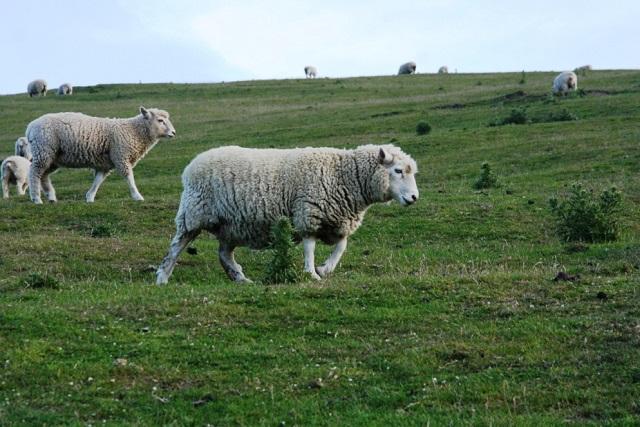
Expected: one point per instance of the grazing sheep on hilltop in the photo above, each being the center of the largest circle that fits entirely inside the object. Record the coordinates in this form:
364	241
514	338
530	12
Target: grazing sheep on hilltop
37	87
408	68
443	70
15	169
564	82
239	193
310	72
65	89
79	141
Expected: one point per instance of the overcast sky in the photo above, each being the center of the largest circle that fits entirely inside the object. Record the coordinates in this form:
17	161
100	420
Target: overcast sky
87	42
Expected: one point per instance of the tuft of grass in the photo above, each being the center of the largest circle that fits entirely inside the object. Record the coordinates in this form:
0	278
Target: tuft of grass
523	78
487	178
102	230
518	116
423	128
283	267
39	281
586	217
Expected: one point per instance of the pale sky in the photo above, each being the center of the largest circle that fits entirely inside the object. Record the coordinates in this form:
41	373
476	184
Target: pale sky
86	42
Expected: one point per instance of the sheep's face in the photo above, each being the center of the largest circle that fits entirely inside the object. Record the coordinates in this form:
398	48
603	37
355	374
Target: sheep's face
402	180
23	149
159	124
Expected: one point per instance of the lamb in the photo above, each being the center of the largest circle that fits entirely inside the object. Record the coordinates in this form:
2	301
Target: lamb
65	89
238	193
76	140
564	82
408	68
310	71
15	169
37	87
443	70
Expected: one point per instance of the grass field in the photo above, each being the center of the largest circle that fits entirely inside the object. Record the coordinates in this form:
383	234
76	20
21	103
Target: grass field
443	313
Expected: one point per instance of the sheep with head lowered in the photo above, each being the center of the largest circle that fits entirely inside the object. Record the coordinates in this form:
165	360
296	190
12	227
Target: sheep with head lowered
76	140
310	71
564	82
238	193
407	68
37	87
15	169
65	89
443	70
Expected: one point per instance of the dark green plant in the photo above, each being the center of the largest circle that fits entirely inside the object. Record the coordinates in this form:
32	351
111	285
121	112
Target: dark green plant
39	281
487	178
563	116
283	268
423	128
583	216
518	116
523	79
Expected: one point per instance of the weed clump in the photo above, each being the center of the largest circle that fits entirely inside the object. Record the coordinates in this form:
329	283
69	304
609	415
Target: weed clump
39	281
487	178
563	116
423	128
523	78
586	217
283	268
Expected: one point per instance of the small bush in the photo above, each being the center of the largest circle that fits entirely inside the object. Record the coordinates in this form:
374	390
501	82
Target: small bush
563	116
38	281
423	128
283	268
523	79
102	230
487	178
585	217
518	116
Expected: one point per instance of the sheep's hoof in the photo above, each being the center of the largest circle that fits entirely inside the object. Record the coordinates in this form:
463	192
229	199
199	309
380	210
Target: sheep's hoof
138	198
322	271
314	275
37	201
241	280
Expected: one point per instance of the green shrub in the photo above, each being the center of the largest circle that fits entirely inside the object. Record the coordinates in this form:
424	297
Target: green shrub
523	79
563	116
518	116
38	281
487	178
585	217
283	268
423	128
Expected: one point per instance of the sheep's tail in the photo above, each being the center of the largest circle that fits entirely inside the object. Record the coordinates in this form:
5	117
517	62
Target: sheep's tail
7	167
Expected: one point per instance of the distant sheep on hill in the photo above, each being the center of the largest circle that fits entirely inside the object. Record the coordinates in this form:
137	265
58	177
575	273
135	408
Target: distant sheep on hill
239	193
564	82
65	89
310	72
37	87
408	68
15	169
443	70
79	141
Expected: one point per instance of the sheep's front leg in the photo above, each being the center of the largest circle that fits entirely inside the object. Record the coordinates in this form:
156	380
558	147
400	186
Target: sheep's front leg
97	181
333	260
135	194
309	245
229	264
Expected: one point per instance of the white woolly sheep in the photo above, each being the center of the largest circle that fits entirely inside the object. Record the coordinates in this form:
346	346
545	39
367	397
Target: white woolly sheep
310	71
76	140
564	82
15	169
408	68
239	193
37	87
65	89
443	70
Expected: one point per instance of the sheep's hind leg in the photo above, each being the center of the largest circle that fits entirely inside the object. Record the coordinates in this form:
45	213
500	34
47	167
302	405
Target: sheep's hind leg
333	260
5	186
49	191
179	242
22	188
97	181
309	245
229	264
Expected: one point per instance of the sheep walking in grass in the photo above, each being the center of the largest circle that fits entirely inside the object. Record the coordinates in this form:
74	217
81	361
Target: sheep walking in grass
15	169
37	87
65	89
443	70
408	68
564	82
310	72
76	140
237	194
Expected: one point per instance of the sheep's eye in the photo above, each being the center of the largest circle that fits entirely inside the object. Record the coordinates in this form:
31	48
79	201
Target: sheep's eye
161	121
398	171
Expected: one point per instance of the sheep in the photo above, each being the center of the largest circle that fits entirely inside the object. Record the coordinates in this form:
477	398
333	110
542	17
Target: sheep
65	89
76	140
310	71
564	82
15	169
37	87
238	193
443	70
408	68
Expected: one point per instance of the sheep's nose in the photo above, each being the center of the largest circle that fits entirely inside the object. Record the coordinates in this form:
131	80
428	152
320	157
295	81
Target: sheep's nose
414	197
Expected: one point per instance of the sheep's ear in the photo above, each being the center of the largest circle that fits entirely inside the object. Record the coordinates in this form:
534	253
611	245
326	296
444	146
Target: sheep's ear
144	112
384	157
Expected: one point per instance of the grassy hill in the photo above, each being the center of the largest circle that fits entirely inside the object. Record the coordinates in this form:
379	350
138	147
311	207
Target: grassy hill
443	312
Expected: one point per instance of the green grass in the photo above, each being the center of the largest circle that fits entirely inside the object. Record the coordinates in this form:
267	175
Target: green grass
443	313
